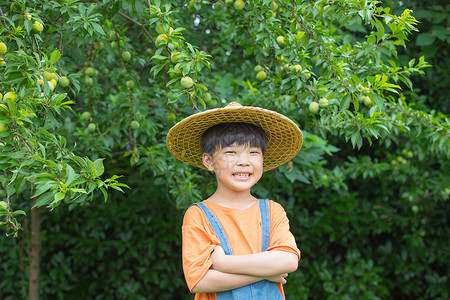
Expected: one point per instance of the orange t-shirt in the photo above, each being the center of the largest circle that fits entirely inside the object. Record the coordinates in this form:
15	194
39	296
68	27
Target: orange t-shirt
243	230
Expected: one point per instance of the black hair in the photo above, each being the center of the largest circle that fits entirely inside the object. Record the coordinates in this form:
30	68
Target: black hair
226	134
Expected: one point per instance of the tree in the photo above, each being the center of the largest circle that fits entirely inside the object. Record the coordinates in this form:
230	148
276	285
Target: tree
135	68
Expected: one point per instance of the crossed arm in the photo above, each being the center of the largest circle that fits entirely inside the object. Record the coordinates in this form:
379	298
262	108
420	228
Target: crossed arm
233	271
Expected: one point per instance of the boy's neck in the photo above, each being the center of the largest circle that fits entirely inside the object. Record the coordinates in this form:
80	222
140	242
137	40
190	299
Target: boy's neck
231	199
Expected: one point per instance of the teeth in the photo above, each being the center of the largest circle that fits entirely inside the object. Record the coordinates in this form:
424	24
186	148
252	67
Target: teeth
241	174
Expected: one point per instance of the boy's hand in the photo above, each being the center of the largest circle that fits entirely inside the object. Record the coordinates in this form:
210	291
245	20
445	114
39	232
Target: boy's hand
281	278
217	257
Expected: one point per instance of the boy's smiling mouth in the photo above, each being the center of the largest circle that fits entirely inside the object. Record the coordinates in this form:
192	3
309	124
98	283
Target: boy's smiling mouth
241	175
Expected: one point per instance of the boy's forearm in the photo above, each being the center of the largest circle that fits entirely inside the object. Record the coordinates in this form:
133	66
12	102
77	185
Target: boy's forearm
260	264
217	281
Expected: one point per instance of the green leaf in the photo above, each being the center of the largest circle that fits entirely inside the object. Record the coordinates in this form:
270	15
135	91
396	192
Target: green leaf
379	101
59	196
424	39
99	168
105	194
19	212
98	28
345	103
159	57
70	175
77	190
296	174
42	189
356	139
44	199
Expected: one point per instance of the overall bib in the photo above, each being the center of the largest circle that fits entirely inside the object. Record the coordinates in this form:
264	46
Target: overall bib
261	290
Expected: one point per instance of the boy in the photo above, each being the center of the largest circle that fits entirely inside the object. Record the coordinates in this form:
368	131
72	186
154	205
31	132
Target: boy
234	245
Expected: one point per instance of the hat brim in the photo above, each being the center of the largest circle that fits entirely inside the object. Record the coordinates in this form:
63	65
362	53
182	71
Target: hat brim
284	138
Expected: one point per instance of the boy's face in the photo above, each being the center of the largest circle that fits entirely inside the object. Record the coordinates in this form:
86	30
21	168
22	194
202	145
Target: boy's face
237	167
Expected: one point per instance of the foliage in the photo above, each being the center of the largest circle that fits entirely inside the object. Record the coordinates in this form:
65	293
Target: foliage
34	155
366	196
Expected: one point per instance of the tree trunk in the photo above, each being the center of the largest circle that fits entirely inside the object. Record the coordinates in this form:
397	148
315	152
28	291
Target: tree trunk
35	253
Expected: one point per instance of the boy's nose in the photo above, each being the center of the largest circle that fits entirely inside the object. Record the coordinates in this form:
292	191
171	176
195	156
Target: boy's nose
243	160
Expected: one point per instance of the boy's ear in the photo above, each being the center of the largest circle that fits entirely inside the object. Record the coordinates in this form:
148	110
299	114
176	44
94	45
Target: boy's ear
207	161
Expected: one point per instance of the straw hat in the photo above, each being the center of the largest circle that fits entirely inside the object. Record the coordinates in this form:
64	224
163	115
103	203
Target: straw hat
284	138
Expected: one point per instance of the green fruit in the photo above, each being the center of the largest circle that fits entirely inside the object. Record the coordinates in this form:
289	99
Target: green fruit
175	57
3	48
314	107
415	208
229	2
112	35
187	82
91	127
257	68
53	81
361	98
86	116
10	95
306	73
323	102
51	86
239	5
135	124
296	68
89	71
280	41
130	84
172	118
365	89
261	75
64	81
126	56
161	40
88	80
367	101
38	27
206	97
3	127
48	75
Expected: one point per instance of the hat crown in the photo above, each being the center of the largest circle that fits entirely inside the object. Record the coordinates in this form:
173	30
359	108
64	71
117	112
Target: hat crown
233	104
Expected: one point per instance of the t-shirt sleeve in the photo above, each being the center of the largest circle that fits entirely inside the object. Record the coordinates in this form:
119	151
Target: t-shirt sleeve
199	242
281	238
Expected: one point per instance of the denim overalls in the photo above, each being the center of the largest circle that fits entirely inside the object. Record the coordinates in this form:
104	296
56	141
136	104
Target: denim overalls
261	290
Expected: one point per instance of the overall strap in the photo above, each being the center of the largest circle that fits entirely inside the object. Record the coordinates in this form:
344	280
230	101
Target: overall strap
220	233
265	223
